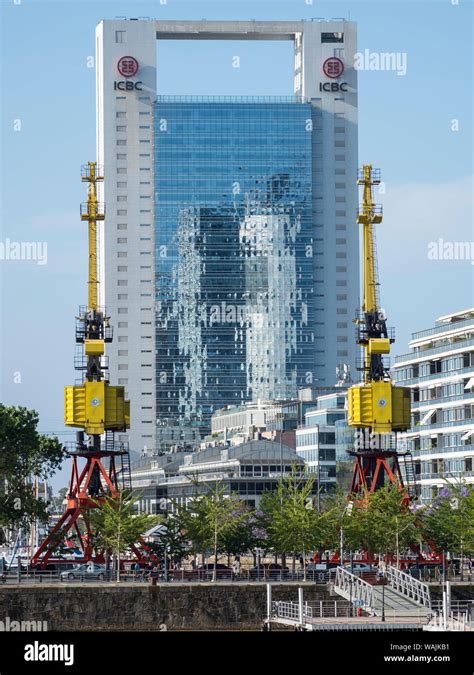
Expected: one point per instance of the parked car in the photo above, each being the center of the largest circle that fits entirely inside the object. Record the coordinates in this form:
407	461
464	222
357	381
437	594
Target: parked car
358	568
269	571
84	571
321	567
424	569
207	571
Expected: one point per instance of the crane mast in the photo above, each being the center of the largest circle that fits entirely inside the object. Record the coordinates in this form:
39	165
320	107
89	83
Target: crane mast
376	407
92	214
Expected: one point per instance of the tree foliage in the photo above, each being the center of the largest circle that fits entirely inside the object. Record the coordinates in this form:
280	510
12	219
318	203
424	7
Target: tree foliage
171	539
215	521
449	521
24	454
289	518
115	524
382	523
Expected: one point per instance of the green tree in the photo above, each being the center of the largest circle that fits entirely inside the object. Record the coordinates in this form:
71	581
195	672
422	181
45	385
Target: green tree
211	520
382	523
245	537
24	454
449	521
379	523
116	526
336	514
289	518
171	539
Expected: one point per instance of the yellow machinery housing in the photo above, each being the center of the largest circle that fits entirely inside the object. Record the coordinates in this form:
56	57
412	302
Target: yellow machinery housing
96	407
379	406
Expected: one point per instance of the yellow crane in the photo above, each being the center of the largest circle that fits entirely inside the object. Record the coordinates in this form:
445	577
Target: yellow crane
375	406
94	406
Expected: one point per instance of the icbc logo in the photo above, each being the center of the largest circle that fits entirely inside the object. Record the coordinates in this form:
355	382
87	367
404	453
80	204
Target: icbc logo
333	67
127	66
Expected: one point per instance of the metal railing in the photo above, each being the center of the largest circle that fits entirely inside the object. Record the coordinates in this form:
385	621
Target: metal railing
454	622
352	588
316	610
189	98
425	353
168	576
408	586
445	328
457	607
467	371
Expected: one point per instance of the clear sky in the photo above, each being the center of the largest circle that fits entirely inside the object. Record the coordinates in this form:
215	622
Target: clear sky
416	127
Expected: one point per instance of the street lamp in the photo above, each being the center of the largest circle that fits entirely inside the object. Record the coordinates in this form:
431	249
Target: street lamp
347	512
259	553
350	596
279	417
166	562
381	575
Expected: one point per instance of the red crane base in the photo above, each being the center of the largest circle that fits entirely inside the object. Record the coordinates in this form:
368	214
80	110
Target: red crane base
371	471
80	501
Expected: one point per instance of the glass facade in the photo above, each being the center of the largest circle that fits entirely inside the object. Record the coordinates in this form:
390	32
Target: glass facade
234	268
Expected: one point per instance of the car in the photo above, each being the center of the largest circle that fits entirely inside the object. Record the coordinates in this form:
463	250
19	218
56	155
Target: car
360	568
85	571
207	571
321	567
269	571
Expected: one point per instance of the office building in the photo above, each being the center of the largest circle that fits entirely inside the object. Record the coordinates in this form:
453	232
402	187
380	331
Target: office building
229	256
316	440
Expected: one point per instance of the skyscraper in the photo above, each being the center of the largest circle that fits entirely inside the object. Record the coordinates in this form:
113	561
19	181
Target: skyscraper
229	258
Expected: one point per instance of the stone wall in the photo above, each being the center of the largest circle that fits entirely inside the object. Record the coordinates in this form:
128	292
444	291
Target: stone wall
82	607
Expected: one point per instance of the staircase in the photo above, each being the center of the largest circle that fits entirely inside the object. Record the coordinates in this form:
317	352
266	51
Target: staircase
109	441
125	475
410	477
399	596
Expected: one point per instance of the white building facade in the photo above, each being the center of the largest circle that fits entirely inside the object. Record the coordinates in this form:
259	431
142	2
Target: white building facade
440	372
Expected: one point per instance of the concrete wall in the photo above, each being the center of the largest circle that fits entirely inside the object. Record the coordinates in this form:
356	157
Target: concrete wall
79	607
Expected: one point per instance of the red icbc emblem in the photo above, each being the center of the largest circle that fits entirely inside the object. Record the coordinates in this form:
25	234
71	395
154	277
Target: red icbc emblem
333	67
127	66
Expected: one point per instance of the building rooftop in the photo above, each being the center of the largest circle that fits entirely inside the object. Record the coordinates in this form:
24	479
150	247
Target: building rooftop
261	449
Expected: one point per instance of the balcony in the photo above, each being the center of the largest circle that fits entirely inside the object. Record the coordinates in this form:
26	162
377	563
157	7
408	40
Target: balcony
458	373
442	425
444	475
466	449
426	353
437	402
446	328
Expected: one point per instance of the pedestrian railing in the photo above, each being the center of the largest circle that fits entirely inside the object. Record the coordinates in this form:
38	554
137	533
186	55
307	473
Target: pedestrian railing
354	589
316	610
456	606
453	622
410	588
168	576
